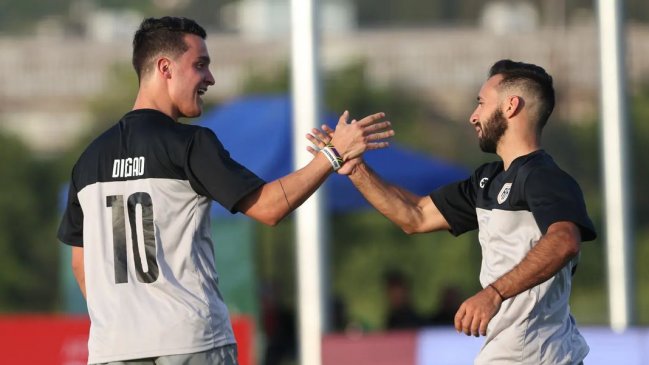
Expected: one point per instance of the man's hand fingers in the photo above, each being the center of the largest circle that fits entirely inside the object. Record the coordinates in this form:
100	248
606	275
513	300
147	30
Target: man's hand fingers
377	145
475	326
483	327
466	324
343	117
373	128
459	315
312	150
370	119
374	139
380	135
321	136
328	130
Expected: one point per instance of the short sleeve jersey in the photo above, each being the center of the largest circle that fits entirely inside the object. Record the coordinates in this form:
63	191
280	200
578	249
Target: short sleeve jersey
512	210
139	203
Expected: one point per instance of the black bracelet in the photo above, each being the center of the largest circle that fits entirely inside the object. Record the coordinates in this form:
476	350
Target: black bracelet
502	298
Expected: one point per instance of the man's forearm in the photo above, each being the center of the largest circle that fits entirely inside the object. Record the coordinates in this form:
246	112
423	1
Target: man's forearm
82	285
553	251
277	199
398	205
301	184
78	268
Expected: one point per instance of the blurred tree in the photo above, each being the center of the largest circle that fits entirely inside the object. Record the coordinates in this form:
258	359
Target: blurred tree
409	13
636	11
639	132
28	216
106	109
417	13
640	254
19	16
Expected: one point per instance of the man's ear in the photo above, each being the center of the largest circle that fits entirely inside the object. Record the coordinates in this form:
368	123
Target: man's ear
513	105
163	67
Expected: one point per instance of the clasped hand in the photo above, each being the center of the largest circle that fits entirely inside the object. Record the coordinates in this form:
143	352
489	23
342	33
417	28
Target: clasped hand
352	139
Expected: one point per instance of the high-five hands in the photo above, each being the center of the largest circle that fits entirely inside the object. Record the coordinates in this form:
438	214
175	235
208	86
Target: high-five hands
352	139
320	138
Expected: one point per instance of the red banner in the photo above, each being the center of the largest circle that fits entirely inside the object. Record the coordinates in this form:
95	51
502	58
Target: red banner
63	340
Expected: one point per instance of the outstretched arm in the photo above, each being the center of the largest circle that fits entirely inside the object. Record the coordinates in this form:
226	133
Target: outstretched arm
413	213
553	251
275	200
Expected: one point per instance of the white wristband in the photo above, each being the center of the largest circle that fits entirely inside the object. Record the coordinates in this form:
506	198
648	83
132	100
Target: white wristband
332	155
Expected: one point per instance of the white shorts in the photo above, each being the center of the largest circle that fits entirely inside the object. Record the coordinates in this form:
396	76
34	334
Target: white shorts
225	355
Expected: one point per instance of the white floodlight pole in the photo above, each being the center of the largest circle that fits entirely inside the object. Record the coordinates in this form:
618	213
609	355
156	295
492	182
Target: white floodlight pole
614	141
309	222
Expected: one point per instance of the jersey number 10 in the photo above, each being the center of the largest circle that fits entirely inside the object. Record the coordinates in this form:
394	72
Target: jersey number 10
147	271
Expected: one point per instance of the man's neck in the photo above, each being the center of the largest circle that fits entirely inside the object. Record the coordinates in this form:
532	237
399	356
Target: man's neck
508	151
149	99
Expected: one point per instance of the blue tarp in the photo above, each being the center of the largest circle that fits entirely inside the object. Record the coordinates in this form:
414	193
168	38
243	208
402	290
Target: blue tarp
257	132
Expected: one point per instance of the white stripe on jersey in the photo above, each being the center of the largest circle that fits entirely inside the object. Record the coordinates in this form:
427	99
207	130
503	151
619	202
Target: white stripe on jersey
181	310
534	327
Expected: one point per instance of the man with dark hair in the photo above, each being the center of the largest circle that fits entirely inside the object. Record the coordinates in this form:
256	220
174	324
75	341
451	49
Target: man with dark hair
138	209
531	218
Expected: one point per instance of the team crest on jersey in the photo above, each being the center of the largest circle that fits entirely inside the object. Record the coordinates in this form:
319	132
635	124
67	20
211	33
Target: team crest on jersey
504	193
483	182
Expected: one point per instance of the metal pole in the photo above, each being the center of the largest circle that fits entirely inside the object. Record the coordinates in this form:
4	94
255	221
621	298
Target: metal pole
309	222
614	141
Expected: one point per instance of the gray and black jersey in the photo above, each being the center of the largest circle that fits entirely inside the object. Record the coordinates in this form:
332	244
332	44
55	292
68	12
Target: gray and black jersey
139	204
512	210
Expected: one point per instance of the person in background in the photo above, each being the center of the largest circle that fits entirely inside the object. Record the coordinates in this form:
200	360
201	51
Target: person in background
450	300
400	312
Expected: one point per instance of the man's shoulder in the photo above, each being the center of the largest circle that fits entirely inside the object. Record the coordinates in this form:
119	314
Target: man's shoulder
143	127
105	140
489	169
542	165
140	133
541	173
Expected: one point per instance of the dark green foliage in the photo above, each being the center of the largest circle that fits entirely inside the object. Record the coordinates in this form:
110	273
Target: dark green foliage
20	16
28	206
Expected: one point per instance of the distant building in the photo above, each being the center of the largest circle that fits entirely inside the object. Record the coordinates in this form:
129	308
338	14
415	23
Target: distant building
502	17
110	25
47	82
267	19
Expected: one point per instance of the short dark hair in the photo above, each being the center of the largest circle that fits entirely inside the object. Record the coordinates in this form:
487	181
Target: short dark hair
531	78
156	35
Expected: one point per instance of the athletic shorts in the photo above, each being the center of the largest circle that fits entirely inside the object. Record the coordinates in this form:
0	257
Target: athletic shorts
225	355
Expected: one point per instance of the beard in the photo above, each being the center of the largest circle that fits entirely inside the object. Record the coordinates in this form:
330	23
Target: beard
494	128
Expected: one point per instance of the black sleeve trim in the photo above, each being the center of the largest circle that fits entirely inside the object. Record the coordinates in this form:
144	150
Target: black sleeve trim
456	202
213	173
71	228
554	196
